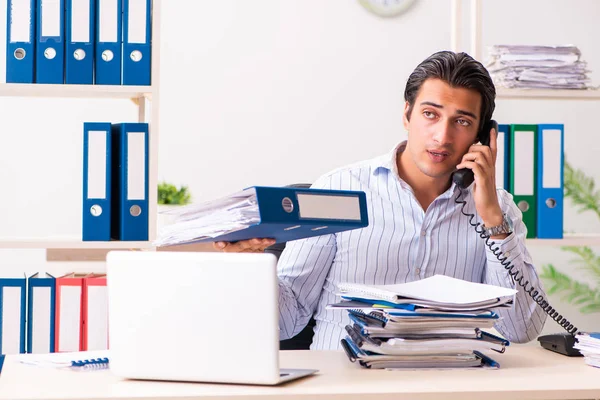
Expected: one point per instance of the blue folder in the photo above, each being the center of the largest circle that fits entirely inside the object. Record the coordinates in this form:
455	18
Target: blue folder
12	315
129	193
20	41
97	158
294	213
41	304
109	39
137	42
550	197
50	44
79	56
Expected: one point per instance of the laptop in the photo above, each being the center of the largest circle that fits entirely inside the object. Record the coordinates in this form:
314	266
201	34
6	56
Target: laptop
198	317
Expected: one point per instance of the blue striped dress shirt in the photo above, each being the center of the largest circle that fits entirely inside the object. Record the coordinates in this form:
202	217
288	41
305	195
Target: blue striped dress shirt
402	243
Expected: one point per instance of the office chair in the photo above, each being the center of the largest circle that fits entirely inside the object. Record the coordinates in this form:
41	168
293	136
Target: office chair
302	340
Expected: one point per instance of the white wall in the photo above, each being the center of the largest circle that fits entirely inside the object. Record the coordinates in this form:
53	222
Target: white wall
275	92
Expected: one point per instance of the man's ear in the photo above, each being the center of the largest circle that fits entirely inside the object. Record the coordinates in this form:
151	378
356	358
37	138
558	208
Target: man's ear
405	115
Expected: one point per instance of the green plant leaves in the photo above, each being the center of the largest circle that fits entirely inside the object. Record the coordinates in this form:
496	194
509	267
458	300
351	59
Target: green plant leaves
169	194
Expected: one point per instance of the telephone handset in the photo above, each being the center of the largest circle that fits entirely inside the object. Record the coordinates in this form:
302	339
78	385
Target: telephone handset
555	342
464	177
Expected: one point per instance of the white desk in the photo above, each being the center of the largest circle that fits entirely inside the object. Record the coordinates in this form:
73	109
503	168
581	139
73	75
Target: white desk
527	372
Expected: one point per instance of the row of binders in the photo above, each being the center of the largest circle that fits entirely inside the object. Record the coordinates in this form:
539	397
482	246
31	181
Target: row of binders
103	42
530	166
115	181
44	314
433	323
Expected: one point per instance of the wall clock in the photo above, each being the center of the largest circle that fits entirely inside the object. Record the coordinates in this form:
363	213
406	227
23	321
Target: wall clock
387	8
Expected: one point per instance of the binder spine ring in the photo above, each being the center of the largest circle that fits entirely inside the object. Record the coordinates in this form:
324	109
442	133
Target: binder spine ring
93	363
513	272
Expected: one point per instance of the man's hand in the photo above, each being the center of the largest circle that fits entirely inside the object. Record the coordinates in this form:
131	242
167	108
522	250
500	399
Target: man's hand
244	246
482	161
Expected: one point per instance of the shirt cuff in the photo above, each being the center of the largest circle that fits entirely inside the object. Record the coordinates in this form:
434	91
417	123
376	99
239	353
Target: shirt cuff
510	249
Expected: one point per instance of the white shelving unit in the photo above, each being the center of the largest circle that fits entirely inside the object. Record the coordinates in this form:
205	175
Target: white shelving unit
147	99
519	94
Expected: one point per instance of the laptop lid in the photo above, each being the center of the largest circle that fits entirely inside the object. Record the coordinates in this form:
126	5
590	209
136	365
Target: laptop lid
207	317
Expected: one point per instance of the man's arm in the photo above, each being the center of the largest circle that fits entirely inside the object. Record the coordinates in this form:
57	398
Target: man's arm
525	320
302	269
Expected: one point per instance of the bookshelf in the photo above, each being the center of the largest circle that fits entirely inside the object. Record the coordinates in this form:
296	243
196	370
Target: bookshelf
147	101
475	23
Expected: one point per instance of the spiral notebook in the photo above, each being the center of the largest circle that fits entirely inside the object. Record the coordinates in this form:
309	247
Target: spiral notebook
80	360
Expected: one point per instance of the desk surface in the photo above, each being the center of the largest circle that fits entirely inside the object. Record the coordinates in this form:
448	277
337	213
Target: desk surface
526	372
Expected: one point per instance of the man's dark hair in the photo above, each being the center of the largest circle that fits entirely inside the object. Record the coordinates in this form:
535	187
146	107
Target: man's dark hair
457	70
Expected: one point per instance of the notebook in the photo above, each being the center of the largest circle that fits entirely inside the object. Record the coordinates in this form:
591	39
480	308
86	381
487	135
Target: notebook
200	317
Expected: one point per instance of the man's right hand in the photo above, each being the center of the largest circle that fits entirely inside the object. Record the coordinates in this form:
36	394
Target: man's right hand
244	246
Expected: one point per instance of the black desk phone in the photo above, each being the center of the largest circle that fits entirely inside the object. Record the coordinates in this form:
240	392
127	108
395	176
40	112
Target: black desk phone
561	343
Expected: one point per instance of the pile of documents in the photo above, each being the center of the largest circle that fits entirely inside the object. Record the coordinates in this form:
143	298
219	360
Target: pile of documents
588	344
538	67
280	213
434	323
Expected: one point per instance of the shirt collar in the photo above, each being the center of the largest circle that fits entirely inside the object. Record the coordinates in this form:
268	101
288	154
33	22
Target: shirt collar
388	162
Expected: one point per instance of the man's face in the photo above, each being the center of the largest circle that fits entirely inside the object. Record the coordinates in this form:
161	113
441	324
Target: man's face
443	125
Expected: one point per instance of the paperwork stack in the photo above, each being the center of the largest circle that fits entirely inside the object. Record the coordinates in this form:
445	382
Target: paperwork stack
280	213
538	67
588	344
435	322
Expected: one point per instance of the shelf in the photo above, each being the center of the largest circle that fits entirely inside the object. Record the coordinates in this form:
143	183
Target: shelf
69	243
74	91
563	94
568	240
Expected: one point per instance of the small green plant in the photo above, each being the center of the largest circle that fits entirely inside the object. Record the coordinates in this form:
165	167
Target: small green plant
169	194
582	192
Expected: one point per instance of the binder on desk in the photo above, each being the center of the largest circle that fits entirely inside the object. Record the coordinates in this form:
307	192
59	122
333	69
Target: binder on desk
130	181
67	336
136	42
550	181
97	155
503	157
41	304
50	45
79	26
108	42
20	41
12	315
523	175
281	213
94	322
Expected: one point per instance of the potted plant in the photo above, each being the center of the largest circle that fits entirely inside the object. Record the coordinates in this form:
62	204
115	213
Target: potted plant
169	197
582	192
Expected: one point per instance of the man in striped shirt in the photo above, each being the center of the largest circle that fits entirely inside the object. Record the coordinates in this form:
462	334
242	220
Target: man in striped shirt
416	227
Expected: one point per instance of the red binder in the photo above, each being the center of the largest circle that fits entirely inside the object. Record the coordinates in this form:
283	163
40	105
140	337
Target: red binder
94	317
67	335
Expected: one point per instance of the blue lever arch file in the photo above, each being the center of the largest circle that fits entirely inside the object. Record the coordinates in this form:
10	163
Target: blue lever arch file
41	296
108	42
20	41
137	42
97	156
79	57
12	315
130	181
280	213
50	45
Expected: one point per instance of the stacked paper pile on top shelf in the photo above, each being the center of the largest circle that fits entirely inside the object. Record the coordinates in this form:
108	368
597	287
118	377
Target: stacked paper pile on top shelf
538	67
588	344
435	323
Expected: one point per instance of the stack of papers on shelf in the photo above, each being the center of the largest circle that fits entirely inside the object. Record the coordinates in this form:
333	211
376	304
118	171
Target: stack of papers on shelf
588	344
432	323
538	67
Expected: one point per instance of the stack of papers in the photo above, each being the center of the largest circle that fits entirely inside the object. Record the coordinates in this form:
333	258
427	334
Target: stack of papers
210	219
435	322
588	344
538	67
